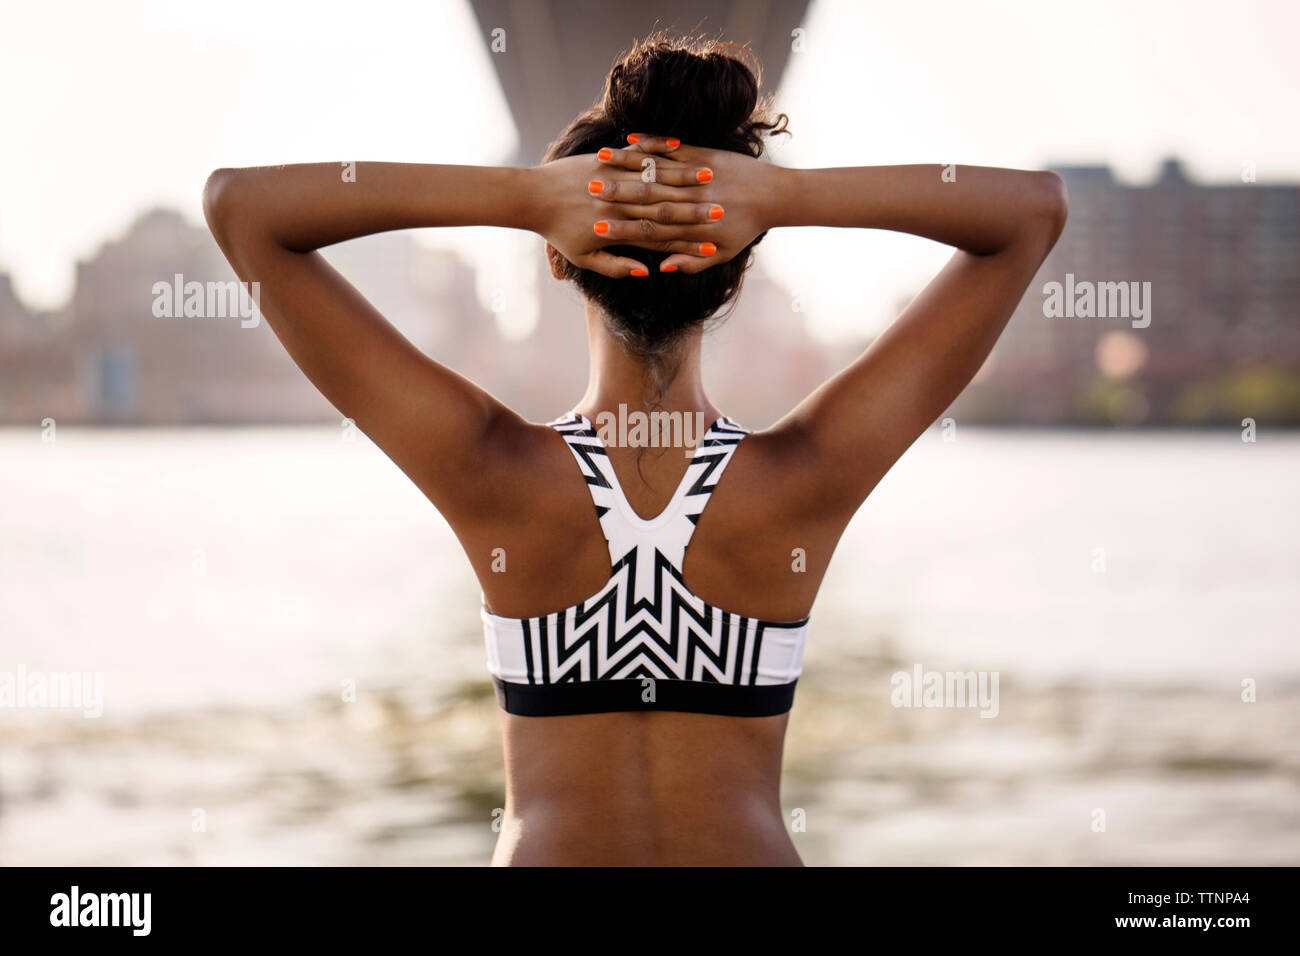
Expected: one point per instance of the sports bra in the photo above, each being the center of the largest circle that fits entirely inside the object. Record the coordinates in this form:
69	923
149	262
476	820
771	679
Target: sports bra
644	641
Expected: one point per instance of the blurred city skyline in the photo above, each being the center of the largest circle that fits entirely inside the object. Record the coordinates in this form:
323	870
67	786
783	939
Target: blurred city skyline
108	131
1208	277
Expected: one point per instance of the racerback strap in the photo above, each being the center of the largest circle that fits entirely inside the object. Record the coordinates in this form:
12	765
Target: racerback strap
647	544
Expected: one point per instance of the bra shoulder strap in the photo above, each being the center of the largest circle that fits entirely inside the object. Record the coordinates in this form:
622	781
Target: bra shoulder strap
593	460
708	461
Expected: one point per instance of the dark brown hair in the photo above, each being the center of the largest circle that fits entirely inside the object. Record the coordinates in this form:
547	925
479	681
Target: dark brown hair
706	93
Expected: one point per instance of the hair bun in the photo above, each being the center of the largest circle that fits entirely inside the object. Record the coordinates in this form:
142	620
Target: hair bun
702	94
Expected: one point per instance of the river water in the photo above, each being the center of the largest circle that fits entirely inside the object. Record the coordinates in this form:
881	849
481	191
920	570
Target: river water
232	586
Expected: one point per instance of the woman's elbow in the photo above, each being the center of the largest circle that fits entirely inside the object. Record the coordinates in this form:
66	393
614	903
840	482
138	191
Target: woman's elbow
1052	203
220	201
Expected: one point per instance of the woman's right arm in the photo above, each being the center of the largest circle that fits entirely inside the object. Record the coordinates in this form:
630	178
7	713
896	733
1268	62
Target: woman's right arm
452	438
1003	223
270	222
849	432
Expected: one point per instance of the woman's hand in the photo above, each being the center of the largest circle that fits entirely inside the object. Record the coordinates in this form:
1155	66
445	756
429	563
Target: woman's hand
583	204
738	191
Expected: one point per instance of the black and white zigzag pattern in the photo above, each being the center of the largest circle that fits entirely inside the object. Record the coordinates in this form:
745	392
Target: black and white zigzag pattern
645	622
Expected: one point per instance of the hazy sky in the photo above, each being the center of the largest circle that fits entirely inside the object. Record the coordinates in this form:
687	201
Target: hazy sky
111	108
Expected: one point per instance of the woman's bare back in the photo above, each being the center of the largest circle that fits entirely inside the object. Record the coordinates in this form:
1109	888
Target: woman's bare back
645	787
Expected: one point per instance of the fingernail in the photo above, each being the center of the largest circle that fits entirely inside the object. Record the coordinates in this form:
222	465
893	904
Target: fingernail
673	142
715	212
705	175
604	154
634	138
707	249
595	186
640	272
668	268
602	227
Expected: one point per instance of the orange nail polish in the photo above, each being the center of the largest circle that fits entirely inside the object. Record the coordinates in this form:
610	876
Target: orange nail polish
634	137
673	142
668	268
705	175
715	212
602	227
708	249
640	272
595	187
605	155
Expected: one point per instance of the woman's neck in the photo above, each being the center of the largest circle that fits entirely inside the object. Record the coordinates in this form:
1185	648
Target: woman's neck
617	378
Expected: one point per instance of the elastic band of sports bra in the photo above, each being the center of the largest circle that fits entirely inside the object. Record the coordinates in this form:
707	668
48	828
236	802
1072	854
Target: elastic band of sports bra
603	696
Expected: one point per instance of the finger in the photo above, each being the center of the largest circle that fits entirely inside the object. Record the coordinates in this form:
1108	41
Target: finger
654	144
648	230
654	168
641	192
672	211
663	145
669	212
616	267
632	158
660	174
664	214
689	247
685	264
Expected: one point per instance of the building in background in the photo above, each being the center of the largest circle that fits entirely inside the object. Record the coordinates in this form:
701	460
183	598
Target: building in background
1223	340
108	357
